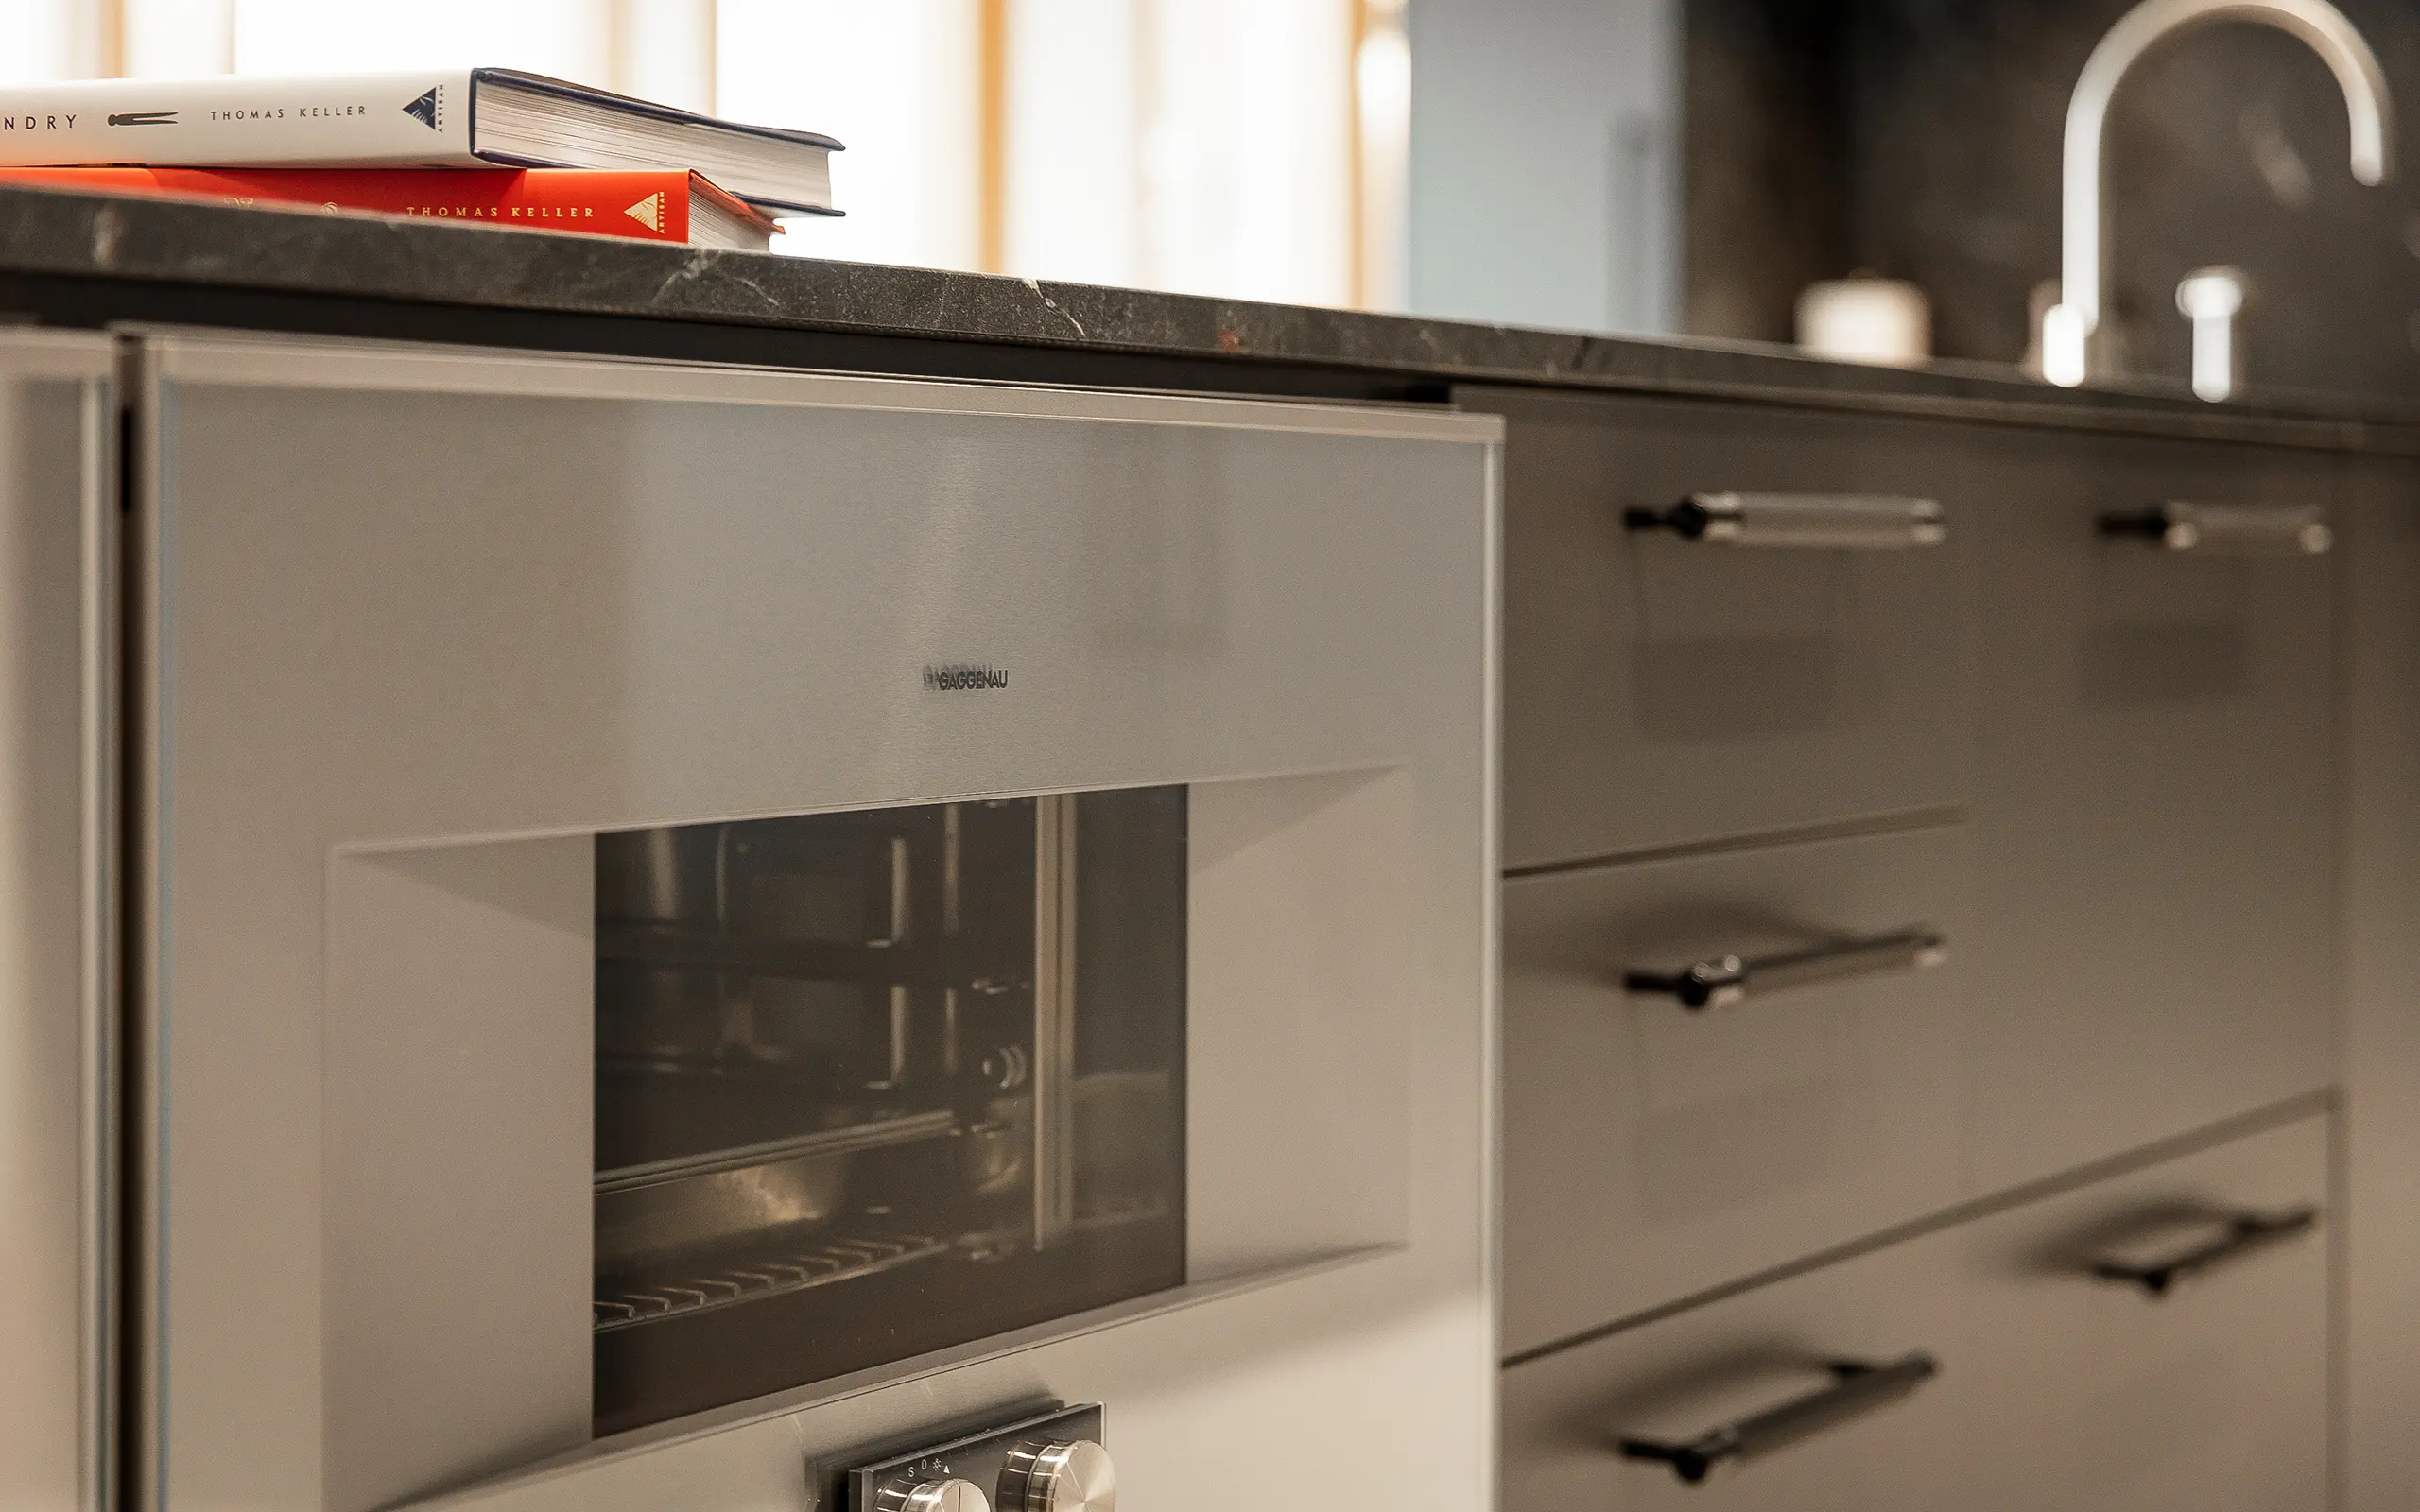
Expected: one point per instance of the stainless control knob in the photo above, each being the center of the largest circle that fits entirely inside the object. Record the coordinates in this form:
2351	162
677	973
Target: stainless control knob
1065	1477
907	1495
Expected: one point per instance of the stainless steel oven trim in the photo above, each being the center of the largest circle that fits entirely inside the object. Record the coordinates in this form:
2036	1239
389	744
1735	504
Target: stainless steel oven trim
1491	1047
98	971
146	1393
222	359
783	1404
215	363
1179	776
65	930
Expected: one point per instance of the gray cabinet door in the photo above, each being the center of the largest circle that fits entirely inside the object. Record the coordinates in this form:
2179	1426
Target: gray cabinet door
2054	1387
1659	689
2088	1391
2380	1047
1653	1150
1682	1379
58	519
2155	805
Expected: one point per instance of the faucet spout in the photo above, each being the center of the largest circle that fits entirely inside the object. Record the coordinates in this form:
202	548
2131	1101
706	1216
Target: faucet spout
2068	329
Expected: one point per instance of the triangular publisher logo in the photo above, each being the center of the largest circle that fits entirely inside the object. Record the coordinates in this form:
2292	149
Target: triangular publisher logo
648	212
423	110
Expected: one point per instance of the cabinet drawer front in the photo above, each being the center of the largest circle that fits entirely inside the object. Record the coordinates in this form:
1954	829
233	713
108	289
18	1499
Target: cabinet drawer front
2154	805
2054	1386
2086	1391
1660	689
1654	1148
1566	1417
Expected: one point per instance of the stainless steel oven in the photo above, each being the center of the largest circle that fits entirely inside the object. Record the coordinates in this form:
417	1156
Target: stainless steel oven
875	1083
762	940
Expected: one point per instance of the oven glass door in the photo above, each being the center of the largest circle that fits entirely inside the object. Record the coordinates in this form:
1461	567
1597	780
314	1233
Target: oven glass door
876	1083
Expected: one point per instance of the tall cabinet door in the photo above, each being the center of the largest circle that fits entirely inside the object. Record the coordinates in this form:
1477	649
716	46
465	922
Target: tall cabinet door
57	517
2154	799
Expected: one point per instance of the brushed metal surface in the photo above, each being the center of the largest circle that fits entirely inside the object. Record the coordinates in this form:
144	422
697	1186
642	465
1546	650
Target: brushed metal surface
1078	1477
457	1074
933	1496
57	920
402	602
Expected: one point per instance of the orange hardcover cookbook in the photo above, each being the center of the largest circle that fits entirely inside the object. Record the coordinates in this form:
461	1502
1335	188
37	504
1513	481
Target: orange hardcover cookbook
659	206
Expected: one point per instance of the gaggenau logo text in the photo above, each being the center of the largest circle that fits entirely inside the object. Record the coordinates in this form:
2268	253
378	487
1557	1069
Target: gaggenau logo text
959	676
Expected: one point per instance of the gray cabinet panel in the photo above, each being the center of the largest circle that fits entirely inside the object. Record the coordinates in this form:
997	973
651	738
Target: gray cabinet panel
2380	1050
1659	689
2153	806
2055	1388
1566	1415
2082	1392
1651	1151
58	512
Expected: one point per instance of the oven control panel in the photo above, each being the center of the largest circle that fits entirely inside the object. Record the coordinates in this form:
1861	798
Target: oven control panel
1054	1462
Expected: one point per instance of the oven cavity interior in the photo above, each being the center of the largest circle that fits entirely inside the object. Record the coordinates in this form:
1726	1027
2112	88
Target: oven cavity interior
876	1083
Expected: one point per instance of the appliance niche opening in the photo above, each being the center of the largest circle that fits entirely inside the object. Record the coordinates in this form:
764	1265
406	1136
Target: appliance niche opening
879	1083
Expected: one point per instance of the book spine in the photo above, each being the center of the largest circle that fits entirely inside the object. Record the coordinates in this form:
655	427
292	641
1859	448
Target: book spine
641	205
647	206
381	120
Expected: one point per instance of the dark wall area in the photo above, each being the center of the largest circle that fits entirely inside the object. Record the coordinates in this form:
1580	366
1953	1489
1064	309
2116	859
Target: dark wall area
1920	139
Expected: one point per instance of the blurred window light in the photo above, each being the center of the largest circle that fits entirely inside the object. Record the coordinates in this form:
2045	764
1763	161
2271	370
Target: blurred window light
897	83
1245	149
177	39
1382	100
1079	79
1200	145
569	38
1247	144
665	50
36	40
47	40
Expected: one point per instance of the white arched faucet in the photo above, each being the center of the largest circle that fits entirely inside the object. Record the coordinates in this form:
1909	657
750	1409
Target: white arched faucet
2066	330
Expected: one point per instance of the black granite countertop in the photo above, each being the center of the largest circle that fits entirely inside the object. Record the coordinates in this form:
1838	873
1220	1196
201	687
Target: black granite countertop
51	239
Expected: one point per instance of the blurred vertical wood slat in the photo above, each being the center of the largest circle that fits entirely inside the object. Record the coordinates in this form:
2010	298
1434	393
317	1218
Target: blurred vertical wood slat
991	129
1358	247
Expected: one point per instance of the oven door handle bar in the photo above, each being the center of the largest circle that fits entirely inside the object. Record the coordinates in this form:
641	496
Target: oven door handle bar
1721	981
1857	1388
1820	522
2247	1234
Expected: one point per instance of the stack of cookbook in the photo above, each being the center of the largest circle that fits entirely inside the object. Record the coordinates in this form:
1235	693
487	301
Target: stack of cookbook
490	145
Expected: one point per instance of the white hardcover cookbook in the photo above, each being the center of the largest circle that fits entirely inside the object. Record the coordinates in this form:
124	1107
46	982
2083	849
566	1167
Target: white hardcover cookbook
464	118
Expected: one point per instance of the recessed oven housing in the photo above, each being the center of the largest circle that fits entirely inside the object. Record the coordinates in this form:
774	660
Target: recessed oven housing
551	774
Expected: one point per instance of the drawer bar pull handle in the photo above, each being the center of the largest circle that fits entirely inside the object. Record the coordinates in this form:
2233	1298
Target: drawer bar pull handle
2236	529
1824	522
1719	981
1857	1388
2246	1235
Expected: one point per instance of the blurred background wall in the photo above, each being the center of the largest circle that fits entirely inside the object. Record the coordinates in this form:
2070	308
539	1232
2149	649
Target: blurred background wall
1678	167
1251	148
1920	139
1546	154
1690	167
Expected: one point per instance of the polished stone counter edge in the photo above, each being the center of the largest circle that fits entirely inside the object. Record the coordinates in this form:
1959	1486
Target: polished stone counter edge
192	242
